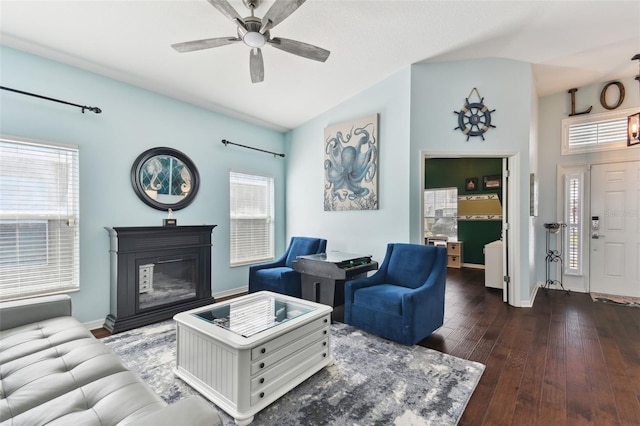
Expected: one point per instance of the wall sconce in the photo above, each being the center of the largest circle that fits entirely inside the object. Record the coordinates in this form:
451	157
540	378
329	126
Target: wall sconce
633	126
633	121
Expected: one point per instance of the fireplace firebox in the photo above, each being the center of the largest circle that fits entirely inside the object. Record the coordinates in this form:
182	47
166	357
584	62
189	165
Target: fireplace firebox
156	272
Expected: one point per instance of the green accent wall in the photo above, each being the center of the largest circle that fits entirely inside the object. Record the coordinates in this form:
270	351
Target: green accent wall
452	172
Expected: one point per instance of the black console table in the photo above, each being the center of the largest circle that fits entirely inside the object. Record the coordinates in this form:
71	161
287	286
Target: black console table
324	275
156	272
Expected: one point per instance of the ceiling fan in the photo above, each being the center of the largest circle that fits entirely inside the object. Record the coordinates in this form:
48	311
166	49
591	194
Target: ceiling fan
255	33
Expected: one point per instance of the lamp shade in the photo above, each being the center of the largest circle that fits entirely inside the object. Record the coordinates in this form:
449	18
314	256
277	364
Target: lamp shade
633	129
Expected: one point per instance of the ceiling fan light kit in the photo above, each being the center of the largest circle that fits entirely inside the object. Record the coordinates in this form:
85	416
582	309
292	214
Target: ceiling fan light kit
255	33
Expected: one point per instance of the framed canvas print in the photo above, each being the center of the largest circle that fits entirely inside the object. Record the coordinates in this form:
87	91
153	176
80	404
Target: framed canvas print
351	165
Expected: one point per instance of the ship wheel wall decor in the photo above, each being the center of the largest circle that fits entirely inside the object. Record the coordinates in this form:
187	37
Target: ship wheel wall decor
474	119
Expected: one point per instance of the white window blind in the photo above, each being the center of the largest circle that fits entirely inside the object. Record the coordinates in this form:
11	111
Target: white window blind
441	212
251	216
39	241
574	184
599	132
595	132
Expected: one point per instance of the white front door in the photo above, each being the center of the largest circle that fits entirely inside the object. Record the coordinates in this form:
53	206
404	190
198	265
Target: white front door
615	244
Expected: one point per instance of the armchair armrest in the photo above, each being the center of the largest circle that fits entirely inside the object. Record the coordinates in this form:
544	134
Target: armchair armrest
273	264
195	409
426	301
353	285
350	288
27	311
431	287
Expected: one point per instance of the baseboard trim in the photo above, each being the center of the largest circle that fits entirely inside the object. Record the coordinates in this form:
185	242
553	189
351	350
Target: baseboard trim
231	292
94	325
473	266
532	297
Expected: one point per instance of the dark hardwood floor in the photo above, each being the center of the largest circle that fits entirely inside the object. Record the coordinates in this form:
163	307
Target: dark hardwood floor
566	360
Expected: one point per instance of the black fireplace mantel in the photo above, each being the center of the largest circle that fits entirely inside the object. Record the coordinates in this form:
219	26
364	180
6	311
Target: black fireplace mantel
144	254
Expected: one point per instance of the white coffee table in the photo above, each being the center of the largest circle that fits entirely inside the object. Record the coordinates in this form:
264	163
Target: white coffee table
245	353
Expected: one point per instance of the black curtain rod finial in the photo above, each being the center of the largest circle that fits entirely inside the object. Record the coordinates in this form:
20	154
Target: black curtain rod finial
93	109
226	142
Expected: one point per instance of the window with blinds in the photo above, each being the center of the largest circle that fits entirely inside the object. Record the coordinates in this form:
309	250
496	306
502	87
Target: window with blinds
39	213
595	132
441	212
251	216
574	218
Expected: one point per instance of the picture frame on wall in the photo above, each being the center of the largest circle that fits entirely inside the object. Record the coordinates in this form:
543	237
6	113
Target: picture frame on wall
492	182
471	184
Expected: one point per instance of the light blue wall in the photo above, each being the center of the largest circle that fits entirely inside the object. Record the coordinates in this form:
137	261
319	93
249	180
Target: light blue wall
134	120
439	89
361	232
416	108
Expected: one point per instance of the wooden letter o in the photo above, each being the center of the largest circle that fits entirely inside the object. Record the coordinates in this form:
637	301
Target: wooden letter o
603	95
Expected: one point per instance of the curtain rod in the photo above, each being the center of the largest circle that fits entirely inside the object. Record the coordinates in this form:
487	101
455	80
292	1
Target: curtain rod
226	142
83	107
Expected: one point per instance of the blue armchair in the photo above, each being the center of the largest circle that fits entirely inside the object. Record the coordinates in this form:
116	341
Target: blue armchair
404	300
278	276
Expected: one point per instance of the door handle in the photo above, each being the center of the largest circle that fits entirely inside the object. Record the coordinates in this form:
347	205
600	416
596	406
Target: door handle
596	236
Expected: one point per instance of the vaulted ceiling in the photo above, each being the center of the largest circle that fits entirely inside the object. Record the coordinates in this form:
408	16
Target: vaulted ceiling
569	43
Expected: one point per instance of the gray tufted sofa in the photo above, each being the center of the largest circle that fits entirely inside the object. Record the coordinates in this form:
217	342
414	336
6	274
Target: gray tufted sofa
54	372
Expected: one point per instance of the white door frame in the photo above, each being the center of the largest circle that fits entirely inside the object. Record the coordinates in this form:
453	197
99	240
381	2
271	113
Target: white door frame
511	251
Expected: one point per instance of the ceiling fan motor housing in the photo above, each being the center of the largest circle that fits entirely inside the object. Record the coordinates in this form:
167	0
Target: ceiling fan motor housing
253	38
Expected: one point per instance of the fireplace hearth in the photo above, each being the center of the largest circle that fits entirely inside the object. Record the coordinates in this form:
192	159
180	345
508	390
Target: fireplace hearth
157	272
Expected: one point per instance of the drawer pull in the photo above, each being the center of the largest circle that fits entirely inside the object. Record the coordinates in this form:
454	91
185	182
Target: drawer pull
263	350
261	394
325	332
326	320
262	365
324	355
262	380
324	343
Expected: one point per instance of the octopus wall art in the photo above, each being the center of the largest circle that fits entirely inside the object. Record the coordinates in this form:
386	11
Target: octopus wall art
351	165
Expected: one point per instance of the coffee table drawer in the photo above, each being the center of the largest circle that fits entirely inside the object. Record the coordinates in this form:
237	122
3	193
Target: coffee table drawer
274	358
288	370
271	346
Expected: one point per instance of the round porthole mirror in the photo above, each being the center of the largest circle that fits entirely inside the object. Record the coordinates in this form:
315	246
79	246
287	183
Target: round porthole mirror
165	178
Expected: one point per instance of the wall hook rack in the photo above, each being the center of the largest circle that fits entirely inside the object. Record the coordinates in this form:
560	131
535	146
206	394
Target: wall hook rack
226	142
82	107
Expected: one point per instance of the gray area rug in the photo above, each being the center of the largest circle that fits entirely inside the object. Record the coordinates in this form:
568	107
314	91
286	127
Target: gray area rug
373	381
616	300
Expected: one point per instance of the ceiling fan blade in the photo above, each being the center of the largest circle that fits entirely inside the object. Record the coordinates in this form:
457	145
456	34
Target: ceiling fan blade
301	49
226	9
256	65
280	10
190	46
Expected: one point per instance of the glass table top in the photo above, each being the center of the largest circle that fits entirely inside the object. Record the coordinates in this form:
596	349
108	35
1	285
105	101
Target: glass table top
335	257
252	314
